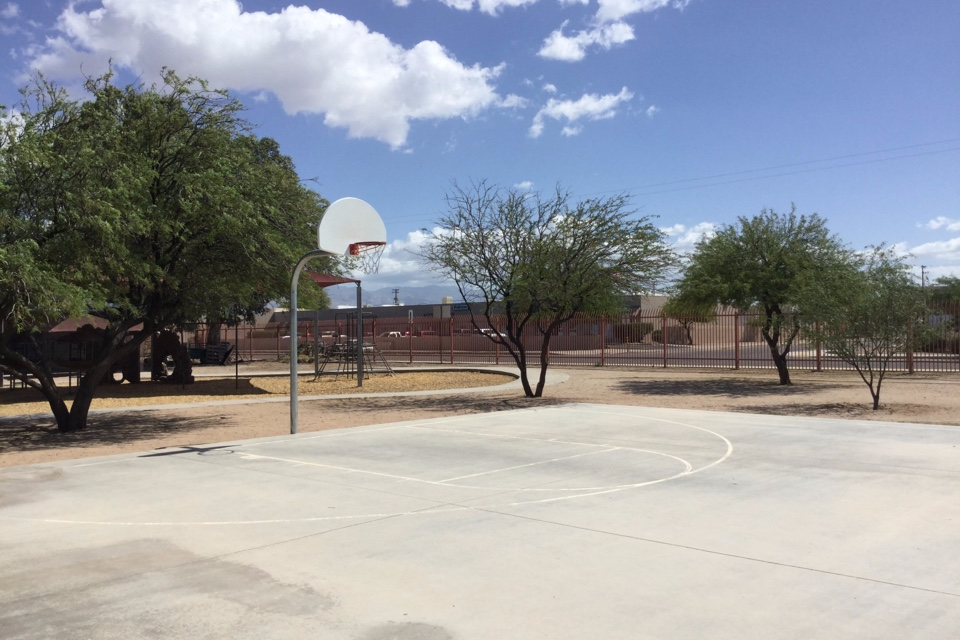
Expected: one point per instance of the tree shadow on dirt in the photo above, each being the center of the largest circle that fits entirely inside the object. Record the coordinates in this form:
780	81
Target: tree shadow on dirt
838	410
25	434
716	388
445	404
213	388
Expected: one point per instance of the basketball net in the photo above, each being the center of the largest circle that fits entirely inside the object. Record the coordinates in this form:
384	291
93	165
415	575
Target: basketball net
366	255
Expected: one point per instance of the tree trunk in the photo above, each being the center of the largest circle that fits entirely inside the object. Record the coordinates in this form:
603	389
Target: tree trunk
86	389
59	408
80	410
43	381
519	354
544	363
780	361
771	334
213	333
875	392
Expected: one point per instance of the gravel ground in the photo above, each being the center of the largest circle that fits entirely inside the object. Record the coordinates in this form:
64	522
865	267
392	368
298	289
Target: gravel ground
28	401
918	398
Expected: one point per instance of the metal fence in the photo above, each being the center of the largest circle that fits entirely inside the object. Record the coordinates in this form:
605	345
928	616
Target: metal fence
732	341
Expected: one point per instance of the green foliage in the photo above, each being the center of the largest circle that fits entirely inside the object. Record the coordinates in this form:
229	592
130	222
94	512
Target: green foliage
675	335
764	261
147	206
945	291
633	332
544	259
867	314
688	312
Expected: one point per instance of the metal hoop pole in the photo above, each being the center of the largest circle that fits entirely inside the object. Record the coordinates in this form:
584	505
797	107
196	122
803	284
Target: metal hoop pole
294	334
359	335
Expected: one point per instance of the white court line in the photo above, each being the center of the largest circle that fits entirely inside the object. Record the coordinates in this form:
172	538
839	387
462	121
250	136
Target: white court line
505	436
523	466
592	491
443	483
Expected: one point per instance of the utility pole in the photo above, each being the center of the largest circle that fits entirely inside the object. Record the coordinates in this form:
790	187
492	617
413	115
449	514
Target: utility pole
923	276
396	297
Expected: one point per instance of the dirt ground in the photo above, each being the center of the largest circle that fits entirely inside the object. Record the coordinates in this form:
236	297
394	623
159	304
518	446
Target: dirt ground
917	398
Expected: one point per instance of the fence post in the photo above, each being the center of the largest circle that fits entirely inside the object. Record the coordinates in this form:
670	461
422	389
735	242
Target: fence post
410	336
663	336
603	340
819	348
910	350
736	339
450	323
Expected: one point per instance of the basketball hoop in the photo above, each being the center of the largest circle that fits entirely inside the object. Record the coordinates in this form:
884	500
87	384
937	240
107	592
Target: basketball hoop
366	255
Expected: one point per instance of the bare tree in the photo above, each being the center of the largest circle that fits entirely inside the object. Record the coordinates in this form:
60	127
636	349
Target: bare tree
867	315
538	260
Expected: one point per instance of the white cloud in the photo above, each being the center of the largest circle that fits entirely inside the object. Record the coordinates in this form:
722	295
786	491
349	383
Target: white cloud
943	222
684	238
493	7
589	106
652	110
940	251
401	263
559	46
550	88
526	185
513	101
312	60
8	17
614	10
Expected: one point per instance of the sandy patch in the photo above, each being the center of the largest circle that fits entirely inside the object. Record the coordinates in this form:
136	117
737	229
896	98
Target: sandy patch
918	398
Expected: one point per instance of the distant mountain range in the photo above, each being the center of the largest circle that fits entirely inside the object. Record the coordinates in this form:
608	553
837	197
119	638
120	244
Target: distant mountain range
346	296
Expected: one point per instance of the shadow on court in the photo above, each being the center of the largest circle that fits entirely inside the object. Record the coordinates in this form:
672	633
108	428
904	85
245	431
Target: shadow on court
720	388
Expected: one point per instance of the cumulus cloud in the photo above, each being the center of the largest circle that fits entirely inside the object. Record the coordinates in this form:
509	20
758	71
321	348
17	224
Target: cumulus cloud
526	185
314	61
942	250
943	222
8	17
401	263
493	7
590	107
513	101
684	238
614	10
559	46
652	110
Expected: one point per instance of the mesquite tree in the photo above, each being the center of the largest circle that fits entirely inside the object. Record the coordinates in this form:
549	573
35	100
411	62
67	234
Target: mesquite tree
764	262
867	315
143	206
539	260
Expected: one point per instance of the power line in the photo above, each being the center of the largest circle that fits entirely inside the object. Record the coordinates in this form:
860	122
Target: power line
789	173
643	189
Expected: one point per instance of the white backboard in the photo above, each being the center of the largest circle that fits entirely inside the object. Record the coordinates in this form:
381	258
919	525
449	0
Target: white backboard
346	221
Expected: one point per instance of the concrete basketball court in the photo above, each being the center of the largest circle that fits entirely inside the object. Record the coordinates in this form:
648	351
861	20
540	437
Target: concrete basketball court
579	521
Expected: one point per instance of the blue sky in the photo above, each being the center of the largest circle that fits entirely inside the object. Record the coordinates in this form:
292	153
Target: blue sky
701	110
